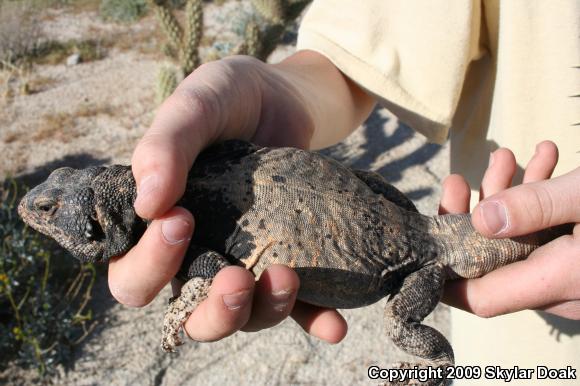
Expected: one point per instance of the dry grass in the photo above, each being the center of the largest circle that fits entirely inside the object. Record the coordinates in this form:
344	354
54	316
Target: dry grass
40	83
75	6
64	126
9	138
58	127
20	80
78	6
20	32
87	111
14	80
146	41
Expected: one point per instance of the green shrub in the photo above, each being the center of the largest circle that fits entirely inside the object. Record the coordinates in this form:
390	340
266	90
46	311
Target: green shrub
44	294
123	10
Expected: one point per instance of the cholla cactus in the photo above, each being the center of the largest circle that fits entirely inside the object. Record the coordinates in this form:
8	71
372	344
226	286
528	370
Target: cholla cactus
272	10
260	38
166	83
279	14
194	31
184	43
252	44
169	23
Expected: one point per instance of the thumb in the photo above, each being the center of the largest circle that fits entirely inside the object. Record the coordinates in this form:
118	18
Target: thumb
530	207
190	119
195	115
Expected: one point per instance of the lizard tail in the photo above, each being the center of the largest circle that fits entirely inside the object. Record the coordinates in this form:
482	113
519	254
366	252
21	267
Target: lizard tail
468	254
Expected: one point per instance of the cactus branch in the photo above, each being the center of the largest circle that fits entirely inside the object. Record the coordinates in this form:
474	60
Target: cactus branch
194	31
169	23
272	10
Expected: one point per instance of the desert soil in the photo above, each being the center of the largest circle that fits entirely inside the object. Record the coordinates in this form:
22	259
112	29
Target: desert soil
94	113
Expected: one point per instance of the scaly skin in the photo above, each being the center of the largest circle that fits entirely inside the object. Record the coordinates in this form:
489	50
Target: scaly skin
351	237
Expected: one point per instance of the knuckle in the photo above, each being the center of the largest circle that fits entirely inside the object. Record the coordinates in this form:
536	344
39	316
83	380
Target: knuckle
201	99
539	206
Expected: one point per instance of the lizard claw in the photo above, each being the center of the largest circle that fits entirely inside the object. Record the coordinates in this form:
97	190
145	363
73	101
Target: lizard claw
170	342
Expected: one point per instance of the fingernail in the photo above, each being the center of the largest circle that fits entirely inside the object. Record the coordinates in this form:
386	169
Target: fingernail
494	216
490	160
236	300
175	231
280	299
147	185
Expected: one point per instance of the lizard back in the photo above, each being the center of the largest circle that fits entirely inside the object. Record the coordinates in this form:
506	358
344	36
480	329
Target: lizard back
263	206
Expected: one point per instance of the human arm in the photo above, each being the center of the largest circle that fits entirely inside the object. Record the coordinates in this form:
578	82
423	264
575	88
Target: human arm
305	102
548	279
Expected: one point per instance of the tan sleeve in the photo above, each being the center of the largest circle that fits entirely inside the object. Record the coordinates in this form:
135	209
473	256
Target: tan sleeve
412	55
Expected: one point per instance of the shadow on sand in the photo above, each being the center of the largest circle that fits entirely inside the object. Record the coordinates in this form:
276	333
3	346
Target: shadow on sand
377	142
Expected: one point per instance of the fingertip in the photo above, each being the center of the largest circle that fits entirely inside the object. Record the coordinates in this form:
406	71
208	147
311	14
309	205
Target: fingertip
323	323
464	294
542	164
136	278
505	156
499	174
330	326
455	294
548	148
455	195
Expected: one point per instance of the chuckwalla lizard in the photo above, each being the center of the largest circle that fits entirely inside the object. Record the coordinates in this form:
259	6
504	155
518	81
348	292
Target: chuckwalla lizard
351	237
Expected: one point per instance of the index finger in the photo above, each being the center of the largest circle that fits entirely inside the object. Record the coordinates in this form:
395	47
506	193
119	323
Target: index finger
136	278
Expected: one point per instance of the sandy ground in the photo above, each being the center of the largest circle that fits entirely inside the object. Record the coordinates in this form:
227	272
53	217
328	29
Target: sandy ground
94	113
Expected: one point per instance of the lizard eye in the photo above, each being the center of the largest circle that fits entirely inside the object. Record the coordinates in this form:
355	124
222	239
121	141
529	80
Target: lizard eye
47	207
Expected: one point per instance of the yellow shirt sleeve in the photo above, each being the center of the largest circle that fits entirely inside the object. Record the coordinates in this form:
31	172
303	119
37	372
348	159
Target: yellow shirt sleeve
412	55
485	74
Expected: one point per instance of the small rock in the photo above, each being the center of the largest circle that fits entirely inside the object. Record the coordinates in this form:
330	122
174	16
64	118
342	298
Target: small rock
73	60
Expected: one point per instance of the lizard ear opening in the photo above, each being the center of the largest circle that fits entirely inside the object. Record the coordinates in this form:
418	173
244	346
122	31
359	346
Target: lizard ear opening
121	230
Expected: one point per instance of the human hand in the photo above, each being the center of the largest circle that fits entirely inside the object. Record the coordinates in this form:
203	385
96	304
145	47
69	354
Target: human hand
549	278
233	98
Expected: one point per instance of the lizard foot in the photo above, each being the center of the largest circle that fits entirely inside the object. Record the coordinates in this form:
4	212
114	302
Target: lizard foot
193	292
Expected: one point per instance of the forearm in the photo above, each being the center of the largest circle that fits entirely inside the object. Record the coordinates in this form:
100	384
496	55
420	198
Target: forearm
336	104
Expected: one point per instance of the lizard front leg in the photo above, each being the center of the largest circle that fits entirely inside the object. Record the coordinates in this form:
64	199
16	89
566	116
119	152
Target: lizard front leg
200	273
406	309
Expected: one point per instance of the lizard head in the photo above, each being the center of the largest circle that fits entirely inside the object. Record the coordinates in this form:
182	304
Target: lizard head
89	211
